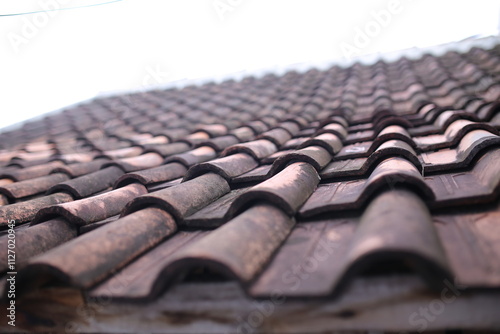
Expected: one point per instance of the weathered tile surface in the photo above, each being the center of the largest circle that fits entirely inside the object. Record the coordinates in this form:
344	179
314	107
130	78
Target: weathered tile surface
296	183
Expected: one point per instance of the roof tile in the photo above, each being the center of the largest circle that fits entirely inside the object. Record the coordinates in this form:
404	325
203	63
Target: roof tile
92	209
99	252
185	198
89	184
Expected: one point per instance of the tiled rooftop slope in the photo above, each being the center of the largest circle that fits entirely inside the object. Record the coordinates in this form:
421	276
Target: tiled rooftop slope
329	174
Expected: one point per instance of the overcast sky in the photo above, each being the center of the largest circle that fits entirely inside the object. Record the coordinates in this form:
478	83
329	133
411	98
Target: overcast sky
54	59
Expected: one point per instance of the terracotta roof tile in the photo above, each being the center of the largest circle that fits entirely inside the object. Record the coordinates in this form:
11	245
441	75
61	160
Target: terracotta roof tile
185	198
288	189
89	184
18	190
23	212
258	149
106	250
92	209
150	176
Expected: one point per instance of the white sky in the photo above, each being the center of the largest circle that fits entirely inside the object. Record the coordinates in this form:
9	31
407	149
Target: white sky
51	60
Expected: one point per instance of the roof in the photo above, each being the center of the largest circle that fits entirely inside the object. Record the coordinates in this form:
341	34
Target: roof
292	186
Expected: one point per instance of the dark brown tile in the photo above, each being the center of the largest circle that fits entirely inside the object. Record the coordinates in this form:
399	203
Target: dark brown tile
31	187
316	156
185	198
216	213
92	209
471	243
452	136
141	280
460	157
277	136
334	128
193	157
154	175
256	175
90	258
37	240
228	167
349	195
479	185
27	173
166	150
361	166
258	149
25	211
321	258
239	249
89	184
220	143
79	169
143	161
288	189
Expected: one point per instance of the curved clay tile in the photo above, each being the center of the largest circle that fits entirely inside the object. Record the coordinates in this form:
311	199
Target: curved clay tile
347	195
154	175
258	127
453	135
92	209
185	198
119	153
90	258
37	240
316	156
278	136
288	189
132	164
479	185
166	150
366	148
89	184
443	118
194	156
258	149
220	143
22	174
294	142
385	121
213	130
328	141
293	128
240	249
25	211
255	175
470	146
334	128
141	280
228	167
243	133
322	258
31	187
397	227
362	166
79	169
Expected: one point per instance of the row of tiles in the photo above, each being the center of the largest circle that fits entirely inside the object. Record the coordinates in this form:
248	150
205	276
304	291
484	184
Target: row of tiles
282	185
136	257
257	160
126	135
474	71
431	128
171	130
166	209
